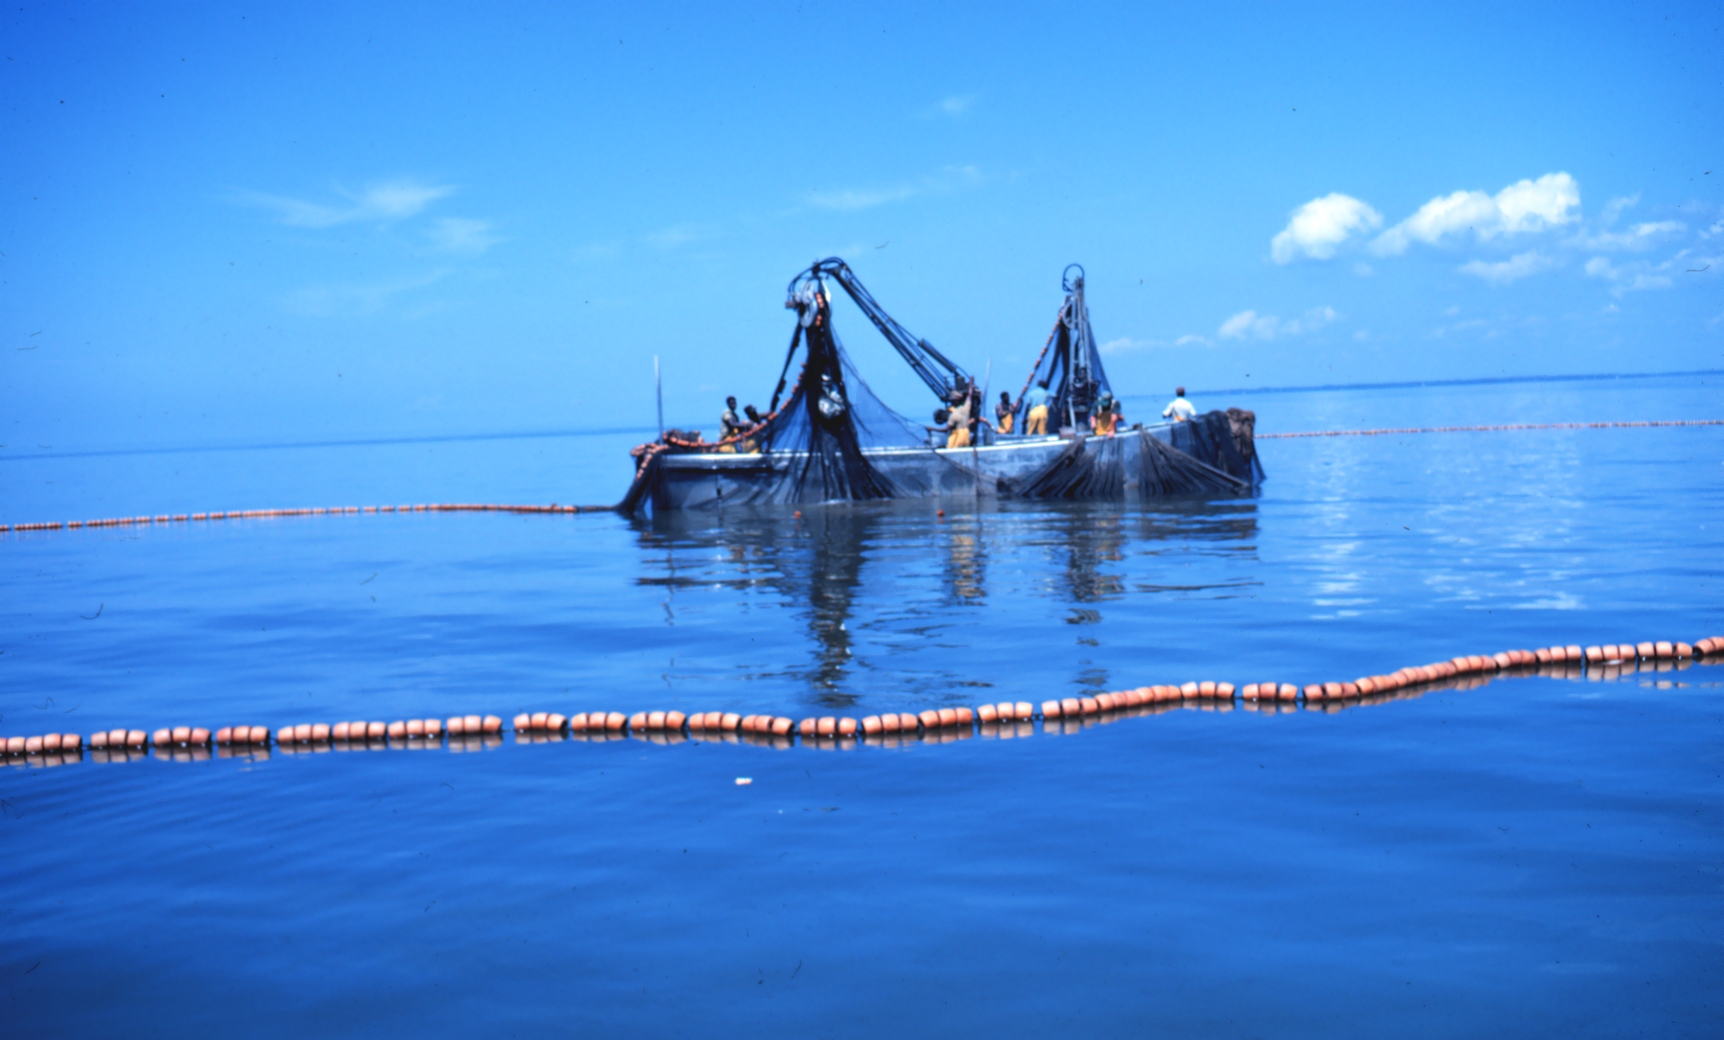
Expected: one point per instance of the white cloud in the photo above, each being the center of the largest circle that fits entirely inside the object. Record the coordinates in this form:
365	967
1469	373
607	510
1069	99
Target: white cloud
679	235
956	105
949	179
1525	206
1638	236
861	198
1549	201
1320	226
1251	325
357	297
384	202
1514	268
461	235
1126	344
1436	218
1614	207
1635	275
1244	323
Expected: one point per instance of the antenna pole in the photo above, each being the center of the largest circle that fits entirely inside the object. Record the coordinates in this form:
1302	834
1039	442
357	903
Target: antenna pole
982	407
658	387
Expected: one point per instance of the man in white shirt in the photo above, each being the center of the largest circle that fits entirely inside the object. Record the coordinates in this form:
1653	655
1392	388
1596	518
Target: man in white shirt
1180	410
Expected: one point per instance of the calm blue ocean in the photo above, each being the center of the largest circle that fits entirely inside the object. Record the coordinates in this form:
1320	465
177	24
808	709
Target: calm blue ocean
1531	857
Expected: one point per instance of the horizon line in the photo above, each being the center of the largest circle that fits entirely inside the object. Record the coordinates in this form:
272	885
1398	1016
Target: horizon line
364	442
1477	381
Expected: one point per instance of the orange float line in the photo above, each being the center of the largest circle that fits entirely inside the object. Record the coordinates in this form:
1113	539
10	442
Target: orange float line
1007	718
261	514
1495	429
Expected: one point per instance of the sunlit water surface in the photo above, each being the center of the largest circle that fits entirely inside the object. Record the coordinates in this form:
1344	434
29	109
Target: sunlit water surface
1531	857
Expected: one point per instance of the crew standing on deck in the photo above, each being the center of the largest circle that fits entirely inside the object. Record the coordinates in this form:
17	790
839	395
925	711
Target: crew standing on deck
1106	416
729	426
748	445
1003	413
1180	410
1037	399
958	420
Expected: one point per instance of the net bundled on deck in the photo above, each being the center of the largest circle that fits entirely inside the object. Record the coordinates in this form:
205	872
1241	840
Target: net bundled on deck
1125	467
1224	440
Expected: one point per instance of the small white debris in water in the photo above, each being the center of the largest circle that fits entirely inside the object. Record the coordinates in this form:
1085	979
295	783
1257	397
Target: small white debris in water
744	781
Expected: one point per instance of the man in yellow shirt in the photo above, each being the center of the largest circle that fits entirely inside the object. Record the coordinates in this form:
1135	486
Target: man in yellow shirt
1106	416
1037	421
958	422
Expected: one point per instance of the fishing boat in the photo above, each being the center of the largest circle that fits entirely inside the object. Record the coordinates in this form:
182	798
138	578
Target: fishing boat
833	440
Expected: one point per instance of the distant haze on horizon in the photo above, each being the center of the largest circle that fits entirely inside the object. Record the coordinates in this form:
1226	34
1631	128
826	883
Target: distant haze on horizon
229	223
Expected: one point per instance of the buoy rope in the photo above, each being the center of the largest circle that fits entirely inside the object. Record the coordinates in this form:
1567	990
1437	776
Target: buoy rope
260	514
1495	429
937	725
645	451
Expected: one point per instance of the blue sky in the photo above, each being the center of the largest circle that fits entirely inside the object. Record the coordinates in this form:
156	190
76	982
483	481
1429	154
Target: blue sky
230	223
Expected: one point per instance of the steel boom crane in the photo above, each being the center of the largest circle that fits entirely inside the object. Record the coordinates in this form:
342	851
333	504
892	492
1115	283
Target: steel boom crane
927	362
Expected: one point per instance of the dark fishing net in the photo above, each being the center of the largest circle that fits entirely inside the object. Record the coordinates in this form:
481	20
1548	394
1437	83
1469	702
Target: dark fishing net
1069	368
1223	440
821	430
811	449
1128	466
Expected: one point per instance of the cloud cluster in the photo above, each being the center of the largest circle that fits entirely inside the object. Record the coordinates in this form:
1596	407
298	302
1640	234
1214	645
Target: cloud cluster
1636	238
1251	325
1525	206
1325	226
950	107
1635	275
1320	226
461	235
357	297
947	180
383	203
1514	268
1126	344
380	203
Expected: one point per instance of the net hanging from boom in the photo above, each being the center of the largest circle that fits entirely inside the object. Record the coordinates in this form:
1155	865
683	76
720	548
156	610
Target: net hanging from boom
811	448
1212	454
1069	368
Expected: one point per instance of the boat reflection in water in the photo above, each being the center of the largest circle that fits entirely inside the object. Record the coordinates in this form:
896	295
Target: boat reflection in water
893	599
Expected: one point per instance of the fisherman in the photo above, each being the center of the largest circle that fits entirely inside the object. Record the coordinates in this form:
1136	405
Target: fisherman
958	420
1003	413
748	445
1037	399
728	426
1106	415
1180	410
